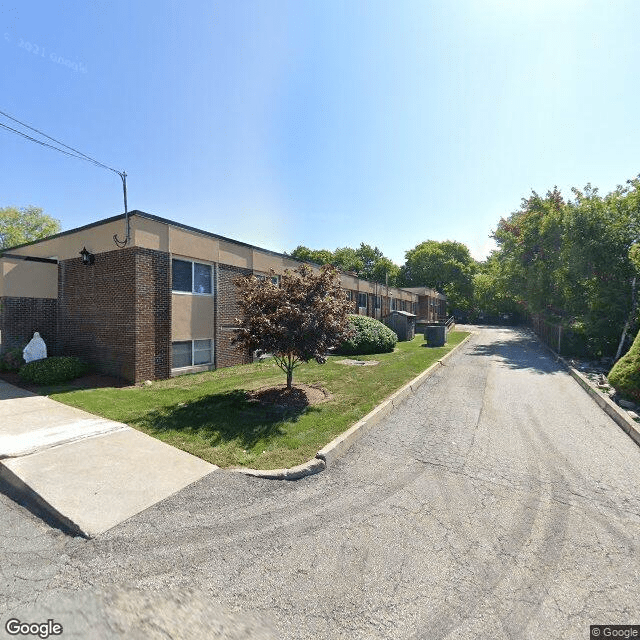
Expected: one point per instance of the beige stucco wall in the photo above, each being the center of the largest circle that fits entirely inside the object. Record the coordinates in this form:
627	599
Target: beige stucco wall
192	317
20	278
149	234
96	239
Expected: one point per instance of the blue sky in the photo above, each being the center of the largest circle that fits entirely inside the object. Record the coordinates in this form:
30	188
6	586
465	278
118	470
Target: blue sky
319	123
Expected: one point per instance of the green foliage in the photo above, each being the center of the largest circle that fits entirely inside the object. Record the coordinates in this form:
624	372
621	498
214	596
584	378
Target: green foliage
298	321
366	262
368	335
11	359
53	370
25	224
446	266
625	374
319	256
573	262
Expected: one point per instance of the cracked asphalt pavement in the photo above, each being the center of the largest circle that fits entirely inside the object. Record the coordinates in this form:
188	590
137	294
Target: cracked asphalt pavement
498	502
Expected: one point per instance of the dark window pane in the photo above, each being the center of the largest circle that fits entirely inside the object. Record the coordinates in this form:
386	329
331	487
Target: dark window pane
181	352
181	271
201	278
202	352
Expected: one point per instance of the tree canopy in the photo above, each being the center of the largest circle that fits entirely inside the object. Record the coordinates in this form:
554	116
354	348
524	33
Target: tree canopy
366	262
446	266
573	261
19	225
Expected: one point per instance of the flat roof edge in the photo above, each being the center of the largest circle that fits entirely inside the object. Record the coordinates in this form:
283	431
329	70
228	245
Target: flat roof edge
179	225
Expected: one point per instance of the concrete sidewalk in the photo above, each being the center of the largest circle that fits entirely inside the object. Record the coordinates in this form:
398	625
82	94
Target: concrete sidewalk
87	473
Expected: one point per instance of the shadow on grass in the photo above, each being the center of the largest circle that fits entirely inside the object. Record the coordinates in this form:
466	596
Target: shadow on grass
224	417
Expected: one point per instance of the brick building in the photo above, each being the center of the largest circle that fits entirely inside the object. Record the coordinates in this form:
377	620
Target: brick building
163	305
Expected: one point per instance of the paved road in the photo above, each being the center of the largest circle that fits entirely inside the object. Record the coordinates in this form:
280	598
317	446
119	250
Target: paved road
499	502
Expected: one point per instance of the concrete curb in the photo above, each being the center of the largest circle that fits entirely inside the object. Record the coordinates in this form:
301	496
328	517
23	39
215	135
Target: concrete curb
618	415
339	445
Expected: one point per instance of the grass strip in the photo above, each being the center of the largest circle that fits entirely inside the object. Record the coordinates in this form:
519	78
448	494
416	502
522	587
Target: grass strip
209	414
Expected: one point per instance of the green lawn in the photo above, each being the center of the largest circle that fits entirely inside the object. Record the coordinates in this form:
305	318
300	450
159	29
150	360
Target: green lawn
208	414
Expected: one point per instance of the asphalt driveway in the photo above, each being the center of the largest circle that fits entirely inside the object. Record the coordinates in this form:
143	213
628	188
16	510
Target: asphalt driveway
498	502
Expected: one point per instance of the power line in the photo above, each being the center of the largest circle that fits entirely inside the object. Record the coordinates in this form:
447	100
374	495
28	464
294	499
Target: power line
76	154
80	155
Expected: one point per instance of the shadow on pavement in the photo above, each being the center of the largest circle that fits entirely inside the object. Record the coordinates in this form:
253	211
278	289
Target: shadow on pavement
519	352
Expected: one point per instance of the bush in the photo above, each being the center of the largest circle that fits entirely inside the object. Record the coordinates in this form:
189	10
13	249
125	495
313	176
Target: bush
625	375
368	335
53	370
11	360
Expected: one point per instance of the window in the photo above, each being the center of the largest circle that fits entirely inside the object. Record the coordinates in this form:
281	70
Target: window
378	301
181	354
362	300
191	277
188	353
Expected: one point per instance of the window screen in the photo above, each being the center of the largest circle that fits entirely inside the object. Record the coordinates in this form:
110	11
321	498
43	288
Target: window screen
201	278
181	352
181	271
202	352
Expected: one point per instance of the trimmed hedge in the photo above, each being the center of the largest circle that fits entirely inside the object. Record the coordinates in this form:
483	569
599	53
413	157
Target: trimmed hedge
11	359
53	370
368	335
625	374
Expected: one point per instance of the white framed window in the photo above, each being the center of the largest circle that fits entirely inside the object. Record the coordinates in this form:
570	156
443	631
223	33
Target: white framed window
188	276
191	353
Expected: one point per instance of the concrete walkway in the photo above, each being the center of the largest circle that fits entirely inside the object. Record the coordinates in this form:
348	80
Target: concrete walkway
89	474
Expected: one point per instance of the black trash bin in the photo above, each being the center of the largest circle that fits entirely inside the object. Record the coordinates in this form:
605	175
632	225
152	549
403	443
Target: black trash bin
436	335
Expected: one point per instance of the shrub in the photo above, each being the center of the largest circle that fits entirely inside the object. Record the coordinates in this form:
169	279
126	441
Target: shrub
53	370
625	375
368	335
11	360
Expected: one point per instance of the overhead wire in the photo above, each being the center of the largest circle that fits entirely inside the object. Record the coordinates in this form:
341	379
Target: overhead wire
76	154
80	155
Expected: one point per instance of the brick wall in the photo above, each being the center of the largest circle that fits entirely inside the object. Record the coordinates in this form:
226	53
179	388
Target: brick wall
116	313
153	315
227	310
21	317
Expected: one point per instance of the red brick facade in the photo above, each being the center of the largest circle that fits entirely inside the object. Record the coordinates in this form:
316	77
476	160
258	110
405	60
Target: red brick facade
21	317
227	312
116	313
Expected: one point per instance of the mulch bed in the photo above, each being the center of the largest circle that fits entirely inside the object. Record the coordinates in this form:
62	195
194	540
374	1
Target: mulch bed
298	397
90	381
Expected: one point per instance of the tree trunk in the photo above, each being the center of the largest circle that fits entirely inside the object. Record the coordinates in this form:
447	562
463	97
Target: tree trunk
289	378
634	303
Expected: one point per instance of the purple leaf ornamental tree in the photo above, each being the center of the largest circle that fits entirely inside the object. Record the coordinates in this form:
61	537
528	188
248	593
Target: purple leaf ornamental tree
298	320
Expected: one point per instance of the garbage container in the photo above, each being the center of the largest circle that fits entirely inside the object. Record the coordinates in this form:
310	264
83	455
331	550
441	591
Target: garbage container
435	335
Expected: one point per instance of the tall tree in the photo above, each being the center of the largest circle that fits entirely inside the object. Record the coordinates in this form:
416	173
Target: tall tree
19	225
298	321
446	266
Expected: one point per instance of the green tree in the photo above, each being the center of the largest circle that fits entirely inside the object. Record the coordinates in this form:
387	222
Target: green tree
19	225
446	266
297	321
316	256
366	262
571	261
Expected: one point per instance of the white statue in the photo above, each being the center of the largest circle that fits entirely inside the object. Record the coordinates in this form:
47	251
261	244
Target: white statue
35	350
